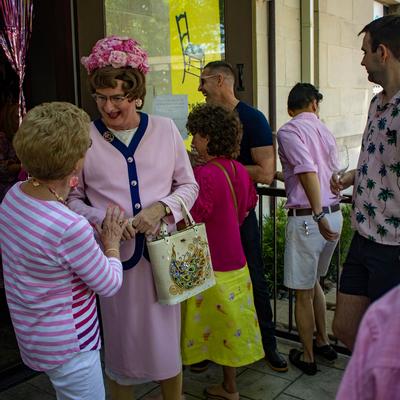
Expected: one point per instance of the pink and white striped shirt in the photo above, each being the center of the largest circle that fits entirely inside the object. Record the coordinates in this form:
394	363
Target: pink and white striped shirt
52	268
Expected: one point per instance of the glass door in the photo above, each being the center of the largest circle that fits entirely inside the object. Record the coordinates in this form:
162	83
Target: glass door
180	36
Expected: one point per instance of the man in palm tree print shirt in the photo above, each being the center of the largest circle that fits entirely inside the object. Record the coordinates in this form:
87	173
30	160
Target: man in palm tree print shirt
372	266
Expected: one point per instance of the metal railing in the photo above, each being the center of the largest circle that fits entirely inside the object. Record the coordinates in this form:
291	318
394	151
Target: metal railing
19	373
273	193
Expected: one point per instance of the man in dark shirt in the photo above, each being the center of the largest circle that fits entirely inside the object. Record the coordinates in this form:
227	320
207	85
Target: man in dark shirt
258	156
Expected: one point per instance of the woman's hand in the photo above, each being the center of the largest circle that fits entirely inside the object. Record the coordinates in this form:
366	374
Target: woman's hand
129	232
148	220
111	230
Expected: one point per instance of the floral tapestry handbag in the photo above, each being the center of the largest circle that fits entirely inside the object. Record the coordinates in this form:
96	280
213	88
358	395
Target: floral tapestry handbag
181	261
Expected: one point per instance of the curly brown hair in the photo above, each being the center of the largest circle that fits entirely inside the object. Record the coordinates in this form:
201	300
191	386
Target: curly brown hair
221	126
134	81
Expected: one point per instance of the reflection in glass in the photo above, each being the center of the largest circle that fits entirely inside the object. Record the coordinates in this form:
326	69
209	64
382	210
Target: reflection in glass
154	24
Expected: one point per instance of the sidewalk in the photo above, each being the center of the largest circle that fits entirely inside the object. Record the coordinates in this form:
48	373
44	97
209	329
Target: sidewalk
256	382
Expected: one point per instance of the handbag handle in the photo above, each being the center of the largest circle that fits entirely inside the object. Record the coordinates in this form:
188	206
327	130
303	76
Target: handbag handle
186	213
187	217
222	168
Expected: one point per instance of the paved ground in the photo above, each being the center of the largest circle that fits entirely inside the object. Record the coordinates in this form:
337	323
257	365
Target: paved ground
256	382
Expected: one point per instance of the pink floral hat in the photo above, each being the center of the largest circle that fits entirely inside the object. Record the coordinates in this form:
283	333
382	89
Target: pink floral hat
118	52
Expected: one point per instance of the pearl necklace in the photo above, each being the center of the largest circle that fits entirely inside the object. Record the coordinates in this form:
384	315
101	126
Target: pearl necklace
35	183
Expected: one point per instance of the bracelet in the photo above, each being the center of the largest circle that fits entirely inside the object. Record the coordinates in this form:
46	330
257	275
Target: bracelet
113	255
111	249
318	217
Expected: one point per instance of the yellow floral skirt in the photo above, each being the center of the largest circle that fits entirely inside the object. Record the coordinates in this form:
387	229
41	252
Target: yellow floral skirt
221	323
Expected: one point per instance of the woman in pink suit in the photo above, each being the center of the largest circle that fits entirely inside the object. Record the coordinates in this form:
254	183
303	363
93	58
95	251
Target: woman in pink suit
138	162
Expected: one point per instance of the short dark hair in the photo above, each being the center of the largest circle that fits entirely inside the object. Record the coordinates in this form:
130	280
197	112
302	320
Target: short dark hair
221	66
301	95
221	126
386	31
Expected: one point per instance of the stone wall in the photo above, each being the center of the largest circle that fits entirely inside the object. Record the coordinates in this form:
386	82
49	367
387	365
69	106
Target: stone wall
338	73
342	79
288	61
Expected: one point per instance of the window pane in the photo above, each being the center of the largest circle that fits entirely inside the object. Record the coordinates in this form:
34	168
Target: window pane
180	36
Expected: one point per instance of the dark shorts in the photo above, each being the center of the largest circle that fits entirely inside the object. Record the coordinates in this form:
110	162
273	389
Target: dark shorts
371	269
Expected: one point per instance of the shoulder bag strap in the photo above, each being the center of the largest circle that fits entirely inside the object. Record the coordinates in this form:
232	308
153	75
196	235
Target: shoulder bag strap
222	168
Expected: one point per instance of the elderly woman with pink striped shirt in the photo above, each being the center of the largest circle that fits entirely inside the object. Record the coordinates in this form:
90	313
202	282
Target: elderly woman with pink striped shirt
52	263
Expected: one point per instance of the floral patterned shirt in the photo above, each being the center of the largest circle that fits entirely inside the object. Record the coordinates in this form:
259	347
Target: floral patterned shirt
376	195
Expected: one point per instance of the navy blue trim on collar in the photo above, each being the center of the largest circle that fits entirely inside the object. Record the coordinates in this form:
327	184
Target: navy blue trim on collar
128	154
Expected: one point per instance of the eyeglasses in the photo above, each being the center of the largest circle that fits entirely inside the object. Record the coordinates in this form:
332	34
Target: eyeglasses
115	99
203	78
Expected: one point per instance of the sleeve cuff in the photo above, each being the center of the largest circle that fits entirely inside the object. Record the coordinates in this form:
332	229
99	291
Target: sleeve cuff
168	219
301	169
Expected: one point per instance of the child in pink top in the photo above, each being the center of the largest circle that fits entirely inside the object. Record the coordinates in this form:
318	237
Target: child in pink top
221	324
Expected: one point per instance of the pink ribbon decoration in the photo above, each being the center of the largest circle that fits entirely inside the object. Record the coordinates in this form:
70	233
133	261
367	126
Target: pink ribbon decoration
16	28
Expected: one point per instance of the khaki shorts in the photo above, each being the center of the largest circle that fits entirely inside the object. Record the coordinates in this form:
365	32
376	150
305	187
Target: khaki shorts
307	253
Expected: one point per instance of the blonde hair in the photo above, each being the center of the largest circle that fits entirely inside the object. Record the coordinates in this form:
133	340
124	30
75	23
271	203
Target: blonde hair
52	138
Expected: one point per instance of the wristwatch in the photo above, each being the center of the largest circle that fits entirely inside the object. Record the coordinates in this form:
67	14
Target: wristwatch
167	210
318	217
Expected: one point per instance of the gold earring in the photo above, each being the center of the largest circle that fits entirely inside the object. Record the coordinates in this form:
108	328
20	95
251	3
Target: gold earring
138	102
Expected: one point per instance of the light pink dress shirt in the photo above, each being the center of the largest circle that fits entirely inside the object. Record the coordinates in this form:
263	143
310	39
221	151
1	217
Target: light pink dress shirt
373	372
305	145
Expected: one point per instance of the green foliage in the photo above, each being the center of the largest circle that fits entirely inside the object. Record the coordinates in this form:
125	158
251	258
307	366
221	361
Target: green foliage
268	245
345	240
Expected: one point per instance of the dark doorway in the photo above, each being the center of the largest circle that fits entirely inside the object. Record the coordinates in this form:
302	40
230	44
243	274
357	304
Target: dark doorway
50	61
49	77
239	46
9	168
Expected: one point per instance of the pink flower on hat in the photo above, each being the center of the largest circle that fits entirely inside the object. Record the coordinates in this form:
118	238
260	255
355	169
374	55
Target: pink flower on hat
118	52
118	59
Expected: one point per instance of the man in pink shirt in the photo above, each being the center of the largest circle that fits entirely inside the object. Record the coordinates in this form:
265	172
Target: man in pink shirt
314	219
373	372
372	266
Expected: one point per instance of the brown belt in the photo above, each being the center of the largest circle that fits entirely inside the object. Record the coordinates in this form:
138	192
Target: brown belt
299	212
